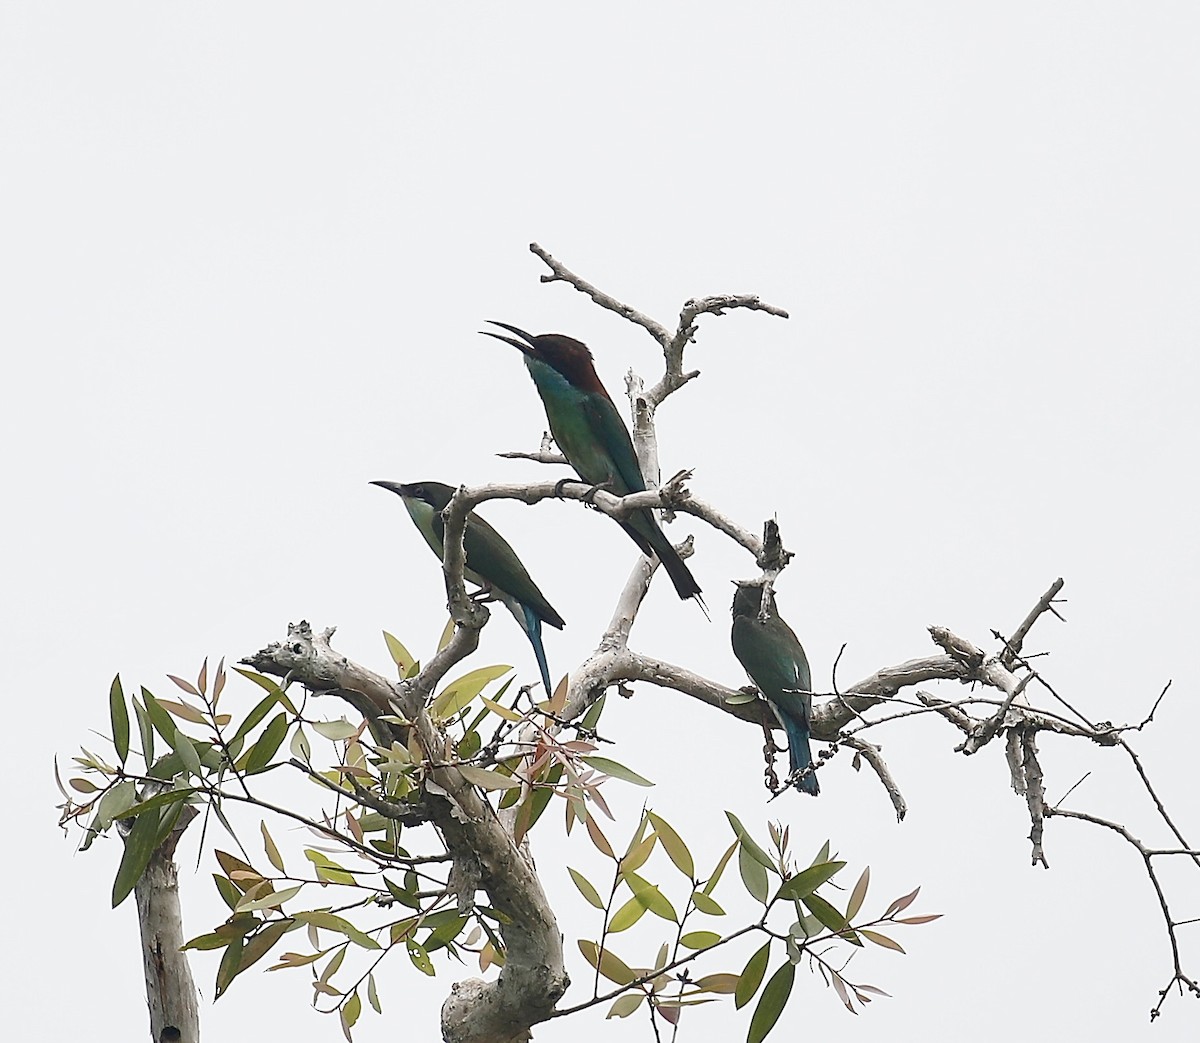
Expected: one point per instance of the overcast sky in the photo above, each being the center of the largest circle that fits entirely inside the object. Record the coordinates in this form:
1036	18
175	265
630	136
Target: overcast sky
247	248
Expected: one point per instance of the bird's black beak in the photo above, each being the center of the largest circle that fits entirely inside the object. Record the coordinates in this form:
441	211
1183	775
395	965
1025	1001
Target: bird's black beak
526	348
395	487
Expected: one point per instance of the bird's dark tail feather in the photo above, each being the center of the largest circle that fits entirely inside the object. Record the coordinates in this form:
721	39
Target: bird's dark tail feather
652	540
800	756
533	628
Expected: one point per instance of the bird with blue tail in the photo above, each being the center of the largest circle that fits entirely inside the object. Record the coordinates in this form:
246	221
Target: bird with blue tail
774	659
593	437
490	562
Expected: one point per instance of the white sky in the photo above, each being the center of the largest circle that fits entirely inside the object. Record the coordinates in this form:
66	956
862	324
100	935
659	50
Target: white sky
247	249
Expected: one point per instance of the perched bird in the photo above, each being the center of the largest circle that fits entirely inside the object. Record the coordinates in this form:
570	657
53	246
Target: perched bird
593	437
772	656
491	562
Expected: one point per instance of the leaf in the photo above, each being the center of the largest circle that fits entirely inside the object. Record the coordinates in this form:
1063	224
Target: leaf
486	779
920	919
332	922
598	837
459	692
400	655
606	962
700	939
447	634
592	717
187	686
636	857
230	965
271	901
839	986
676	849
754	876
119	714
420	958
751	977
901	903
140	845
586	889
114	804
335	730
500	710
651	897
83	785
716	873
299	747
807	881
825	912
269	845
349	1013
259	755
146	730
725	984
372	995
616	770
327	869
625	1005
748	844
625	917
770	1005
182	710
261	709
706	904
881	939
859	894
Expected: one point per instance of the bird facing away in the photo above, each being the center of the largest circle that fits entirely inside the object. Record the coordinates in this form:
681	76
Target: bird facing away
773	657
593	437
491	562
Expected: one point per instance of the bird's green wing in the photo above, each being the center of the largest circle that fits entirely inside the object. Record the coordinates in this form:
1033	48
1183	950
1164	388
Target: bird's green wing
609	430
490	557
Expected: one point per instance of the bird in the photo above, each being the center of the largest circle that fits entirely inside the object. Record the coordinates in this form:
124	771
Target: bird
773	657
490	562
593	437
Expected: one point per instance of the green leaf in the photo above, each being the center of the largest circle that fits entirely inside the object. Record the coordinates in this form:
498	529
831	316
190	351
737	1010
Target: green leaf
724	984
716	873
447	634
625	1005
334	730
636	856
159	718
625	917
459	692
859	894
606	962
616	770
748	844
230	965
651	897
825	912
372	995
706	904
270	901
261	709
400	655
592	717
160	800
350	1011
119	714
700	939
259	755
332	922
673	843
770	1005
328	870
751	977
272	851
585	888
881	939
806	882
754	876
146	730
139	848
114	804
420	958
